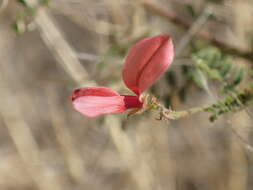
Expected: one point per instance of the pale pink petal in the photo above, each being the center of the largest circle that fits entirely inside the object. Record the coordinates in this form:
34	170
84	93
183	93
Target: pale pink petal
93	106
95	101
137	65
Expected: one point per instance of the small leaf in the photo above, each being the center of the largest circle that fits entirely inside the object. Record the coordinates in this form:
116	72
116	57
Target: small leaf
19	26
225	69
46	2
171	78
24	2
191	10
199	79
239	74
212	73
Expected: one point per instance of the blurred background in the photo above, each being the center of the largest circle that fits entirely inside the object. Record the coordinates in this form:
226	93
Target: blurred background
50	47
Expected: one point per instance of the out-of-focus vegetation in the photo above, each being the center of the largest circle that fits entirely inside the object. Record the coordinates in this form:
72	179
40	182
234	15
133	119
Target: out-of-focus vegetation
58	45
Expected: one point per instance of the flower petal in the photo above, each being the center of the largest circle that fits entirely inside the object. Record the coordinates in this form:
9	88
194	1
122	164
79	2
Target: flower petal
132	101
93	106
147	60
96	101
157	66
93	91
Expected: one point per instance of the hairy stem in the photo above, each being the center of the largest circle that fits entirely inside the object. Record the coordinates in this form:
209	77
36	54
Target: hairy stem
230	103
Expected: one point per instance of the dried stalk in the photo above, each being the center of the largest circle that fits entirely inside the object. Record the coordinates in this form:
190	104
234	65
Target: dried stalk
172	17
13	118
23	139
72	157
67	58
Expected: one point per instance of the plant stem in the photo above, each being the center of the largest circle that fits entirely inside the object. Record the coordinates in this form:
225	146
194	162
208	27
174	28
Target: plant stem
230	103
172	17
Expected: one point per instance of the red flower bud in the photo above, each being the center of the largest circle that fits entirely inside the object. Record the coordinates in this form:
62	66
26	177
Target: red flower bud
147	61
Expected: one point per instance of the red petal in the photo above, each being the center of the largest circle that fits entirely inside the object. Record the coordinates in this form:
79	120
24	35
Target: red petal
147	61
132	102
95	101
93	106
93	91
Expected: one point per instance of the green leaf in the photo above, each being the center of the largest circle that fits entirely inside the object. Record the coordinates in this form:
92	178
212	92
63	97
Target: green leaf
239	74
226	67
24	2
212	73
19	26
171	78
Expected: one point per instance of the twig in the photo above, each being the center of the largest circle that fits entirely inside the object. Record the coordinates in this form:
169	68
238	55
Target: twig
3	5
172	17
238	152
68	59
12	116
138	167
23	139
228	104
87	57
62	51
71	155
194	29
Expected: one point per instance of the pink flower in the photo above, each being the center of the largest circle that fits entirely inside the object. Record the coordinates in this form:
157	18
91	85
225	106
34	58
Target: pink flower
146	62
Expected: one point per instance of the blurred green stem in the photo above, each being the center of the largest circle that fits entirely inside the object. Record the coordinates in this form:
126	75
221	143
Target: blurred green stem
230	103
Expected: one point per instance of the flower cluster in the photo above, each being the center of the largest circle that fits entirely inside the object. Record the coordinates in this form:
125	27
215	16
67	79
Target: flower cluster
146	62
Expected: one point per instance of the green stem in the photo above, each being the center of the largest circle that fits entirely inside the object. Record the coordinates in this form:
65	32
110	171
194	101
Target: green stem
231	103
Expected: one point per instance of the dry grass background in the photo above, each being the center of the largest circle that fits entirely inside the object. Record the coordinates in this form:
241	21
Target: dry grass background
46	145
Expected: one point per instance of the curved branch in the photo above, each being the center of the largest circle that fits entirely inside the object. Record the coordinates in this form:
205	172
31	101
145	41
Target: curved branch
172	17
